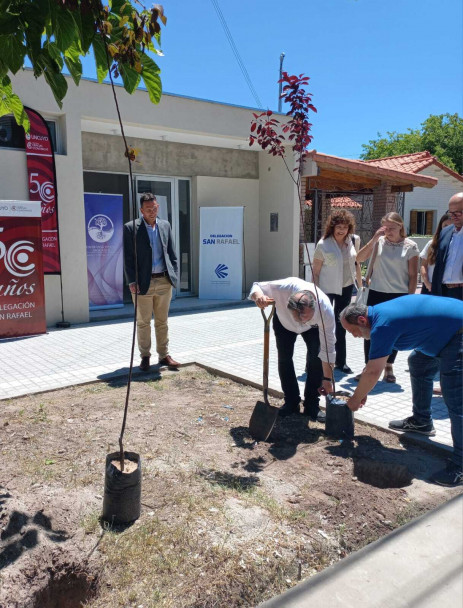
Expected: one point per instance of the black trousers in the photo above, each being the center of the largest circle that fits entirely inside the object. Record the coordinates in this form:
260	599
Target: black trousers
452	292
378	297
339	302
286	340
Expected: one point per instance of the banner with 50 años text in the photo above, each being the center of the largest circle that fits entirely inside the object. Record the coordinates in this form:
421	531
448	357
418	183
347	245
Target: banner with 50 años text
22	296
42	187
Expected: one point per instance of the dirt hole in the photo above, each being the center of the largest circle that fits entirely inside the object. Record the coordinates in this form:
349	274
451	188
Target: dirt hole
382	474
68	588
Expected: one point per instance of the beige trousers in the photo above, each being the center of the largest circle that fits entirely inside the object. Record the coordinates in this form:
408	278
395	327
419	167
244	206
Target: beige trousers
156	301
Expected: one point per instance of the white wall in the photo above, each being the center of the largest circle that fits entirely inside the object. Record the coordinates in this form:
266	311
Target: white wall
436	198
279	251
229	192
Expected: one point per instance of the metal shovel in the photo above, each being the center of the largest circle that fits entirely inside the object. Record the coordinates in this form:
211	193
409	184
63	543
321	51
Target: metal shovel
264	415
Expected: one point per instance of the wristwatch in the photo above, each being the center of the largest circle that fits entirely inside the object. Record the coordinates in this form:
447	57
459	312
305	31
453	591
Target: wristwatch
327	379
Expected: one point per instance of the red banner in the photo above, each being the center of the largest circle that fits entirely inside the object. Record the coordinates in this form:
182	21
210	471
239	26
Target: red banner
42	187
22	296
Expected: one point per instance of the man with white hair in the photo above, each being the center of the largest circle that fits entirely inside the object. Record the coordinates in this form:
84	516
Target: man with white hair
301	309
433	327
447	278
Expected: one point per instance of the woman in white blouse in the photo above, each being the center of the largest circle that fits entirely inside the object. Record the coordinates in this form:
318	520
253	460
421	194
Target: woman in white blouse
393	270
335	270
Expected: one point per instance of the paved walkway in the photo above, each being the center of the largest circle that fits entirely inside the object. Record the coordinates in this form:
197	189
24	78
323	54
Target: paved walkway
228	339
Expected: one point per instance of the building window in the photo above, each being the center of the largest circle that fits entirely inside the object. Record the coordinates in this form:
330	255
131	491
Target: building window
421	222
12	135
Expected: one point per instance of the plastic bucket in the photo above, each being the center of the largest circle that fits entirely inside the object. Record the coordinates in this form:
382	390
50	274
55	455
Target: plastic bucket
122	491
339	418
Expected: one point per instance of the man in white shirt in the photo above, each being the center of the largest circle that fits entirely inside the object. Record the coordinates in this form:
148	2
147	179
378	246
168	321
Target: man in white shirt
301	309
447	279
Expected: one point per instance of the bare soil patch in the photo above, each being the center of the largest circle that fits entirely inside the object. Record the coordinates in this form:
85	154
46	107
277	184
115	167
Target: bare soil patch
225	521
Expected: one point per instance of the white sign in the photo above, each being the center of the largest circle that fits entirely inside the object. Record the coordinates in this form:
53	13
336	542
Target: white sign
221	253
20	208
307	270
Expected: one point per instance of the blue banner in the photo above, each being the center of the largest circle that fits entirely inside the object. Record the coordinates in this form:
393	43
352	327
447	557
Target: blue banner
104	224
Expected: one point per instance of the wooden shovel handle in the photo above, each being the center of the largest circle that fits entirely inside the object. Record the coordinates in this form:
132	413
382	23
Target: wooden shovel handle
267	320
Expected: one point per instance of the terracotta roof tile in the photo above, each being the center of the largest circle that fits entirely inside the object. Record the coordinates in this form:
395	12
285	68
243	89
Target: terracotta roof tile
340	202
412	163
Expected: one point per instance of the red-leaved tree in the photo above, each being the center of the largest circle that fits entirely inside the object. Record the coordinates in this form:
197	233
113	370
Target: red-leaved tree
291	136
294	134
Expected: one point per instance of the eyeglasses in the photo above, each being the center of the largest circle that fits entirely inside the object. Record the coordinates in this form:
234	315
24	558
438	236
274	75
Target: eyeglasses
454	213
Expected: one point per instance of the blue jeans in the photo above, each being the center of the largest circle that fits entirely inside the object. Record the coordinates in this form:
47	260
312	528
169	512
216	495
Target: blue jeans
422	371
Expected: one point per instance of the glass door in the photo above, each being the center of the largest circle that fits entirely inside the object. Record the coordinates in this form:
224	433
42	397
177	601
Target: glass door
173	196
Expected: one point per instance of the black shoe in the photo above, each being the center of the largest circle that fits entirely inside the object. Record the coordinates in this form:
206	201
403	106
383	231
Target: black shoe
320	417
288	410
450	477
344	368
145	364
410	424
309	411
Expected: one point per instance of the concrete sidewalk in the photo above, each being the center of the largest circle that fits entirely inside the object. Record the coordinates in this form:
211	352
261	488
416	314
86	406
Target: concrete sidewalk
228	339
417	566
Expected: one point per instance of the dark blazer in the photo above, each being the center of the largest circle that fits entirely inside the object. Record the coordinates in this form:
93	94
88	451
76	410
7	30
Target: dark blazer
144	253
441	258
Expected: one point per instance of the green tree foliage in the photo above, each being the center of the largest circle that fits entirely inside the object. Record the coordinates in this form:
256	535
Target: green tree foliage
54	34
442	135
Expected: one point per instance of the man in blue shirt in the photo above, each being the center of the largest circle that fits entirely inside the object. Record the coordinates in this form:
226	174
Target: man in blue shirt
433	328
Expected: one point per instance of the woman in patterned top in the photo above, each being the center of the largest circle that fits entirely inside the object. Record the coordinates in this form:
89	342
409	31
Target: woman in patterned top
335	271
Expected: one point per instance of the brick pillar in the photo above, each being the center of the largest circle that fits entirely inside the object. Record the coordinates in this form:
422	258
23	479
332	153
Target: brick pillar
301	219
326	210
384	201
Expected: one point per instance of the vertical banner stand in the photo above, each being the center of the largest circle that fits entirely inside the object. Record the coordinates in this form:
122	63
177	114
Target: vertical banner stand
221	253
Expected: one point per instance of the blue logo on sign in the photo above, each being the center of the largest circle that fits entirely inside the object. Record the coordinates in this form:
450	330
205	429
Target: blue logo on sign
220	271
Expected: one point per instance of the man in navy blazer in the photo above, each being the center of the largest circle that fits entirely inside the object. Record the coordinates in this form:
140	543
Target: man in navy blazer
157	274
447	279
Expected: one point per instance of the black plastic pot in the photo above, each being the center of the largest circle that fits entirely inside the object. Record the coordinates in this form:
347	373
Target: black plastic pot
122	491
339	418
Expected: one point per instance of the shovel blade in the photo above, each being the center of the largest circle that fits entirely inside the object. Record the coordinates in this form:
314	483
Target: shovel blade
262	420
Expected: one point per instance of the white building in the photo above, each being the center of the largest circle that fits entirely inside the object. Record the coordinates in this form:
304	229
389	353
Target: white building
193	152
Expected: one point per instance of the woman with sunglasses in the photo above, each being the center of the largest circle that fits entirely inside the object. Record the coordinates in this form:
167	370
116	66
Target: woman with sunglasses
393	271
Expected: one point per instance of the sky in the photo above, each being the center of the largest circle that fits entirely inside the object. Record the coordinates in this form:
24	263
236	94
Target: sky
374	65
